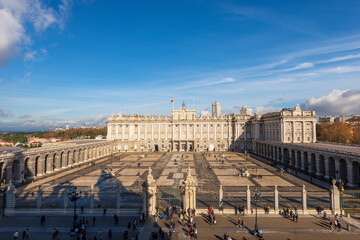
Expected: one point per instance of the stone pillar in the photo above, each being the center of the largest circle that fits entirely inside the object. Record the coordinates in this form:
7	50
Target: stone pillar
304	203
10	200
149	191
276	200
66	200
221	195
248	200
350	176
189	193
334	198
38	200
92	202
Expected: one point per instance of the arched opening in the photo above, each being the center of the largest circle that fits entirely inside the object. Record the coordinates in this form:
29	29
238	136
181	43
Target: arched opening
356	174
332	167
343	171
54	162
306	162
321	165
73	158
298	159
313	163
293	157
27	172
286	156
61	160
46	163
280	158
68	157
37	166
79	156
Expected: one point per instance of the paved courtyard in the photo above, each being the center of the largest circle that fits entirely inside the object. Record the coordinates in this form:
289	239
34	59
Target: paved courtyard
169	170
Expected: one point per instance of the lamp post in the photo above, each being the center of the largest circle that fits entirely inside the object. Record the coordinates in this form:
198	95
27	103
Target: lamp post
341	197
74	196
257	196
3	190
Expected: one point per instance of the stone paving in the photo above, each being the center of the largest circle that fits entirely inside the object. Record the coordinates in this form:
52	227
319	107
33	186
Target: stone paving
274	227
210	170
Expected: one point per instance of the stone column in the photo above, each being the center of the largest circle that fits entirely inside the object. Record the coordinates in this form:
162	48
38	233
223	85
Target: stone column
350	176
38	200
276	200
189	193
221	195
334	198
326	161
66	200
10	199
304	203
248	200
149	191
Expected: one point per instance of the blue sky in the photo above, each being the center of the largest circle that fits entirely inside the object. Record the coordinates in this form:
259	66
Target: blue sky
78	61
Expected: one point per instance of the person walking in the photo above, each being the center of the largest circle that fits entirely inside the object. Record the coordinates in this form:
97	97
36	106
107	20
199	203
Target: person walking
16	235
100	234
42	220
134	225
27	233
110	234
23	235
94	220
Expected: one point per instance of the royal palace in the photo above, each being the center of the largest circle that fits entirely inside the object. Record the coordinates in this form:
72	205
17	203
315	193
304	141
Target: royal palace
185	131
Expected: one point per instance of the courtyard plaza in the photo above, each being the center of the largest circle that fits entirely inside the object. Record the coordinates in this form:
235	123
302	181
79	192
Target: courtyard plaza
311	227
127	171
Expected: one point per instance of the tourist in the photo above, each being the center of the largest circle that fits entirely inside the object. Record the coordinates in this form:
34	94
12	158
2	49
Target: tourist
214	219
195	233
100	234
134	225
104	211
243	224
42	219
110	234
16	235
324	216
94	219
27	233
23	234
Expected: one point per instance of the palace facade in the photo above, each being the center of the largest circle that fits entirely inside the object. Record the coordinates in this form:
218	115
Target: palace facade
184	131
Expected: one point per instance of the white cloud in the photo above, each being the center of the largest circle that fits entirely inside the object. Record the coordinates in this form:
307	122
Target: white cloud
342	58
36	55
263	110
337	102
16	14
205	113
300	66
342	69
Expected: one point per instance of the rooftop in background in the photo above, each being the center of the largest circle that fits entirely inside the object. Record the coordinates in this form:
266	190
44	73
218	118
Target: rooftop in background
6	149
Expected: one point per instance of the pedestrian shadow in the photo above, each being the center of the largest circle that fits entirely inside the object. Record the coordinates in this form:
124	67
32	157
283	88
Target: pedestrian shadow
205	218
322	224
231	220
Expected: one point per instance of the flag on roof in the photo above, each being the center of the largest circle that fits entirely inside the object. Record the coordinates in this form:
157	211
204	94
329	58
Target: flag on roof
172	100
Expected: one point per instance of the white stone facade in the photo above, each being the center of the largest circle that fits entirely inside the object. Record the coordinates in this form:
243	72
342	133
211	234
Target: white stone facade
184	131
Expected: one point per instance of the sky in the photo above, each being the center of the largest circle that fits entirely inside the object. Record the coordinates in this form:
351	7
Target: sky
77	62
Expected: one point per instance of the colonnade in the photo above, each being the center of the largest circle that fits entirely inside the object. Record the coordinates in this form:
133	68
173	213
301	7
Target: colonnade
319	163
34	163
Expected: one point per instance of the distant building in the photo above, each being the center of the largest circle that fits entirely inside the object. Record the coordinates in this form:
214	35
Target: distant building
244	111
216	109
3	143
67	127
100	137
6	149
331	119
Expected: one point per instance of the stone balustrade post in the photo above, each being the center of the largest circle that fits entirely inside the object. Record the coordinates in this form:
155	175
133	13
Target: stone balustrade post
276	200
304	203
248	200
334	198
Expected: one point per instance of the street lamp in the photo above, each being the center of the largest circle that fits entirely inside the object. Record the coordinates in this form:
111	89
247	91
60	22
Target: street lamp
3	190
74	196
257	196
341	196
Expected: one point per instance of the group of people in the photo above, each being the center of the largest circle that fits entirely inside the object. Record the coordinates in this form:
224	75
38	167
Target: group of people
291	214
335	223
212	216
25	234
